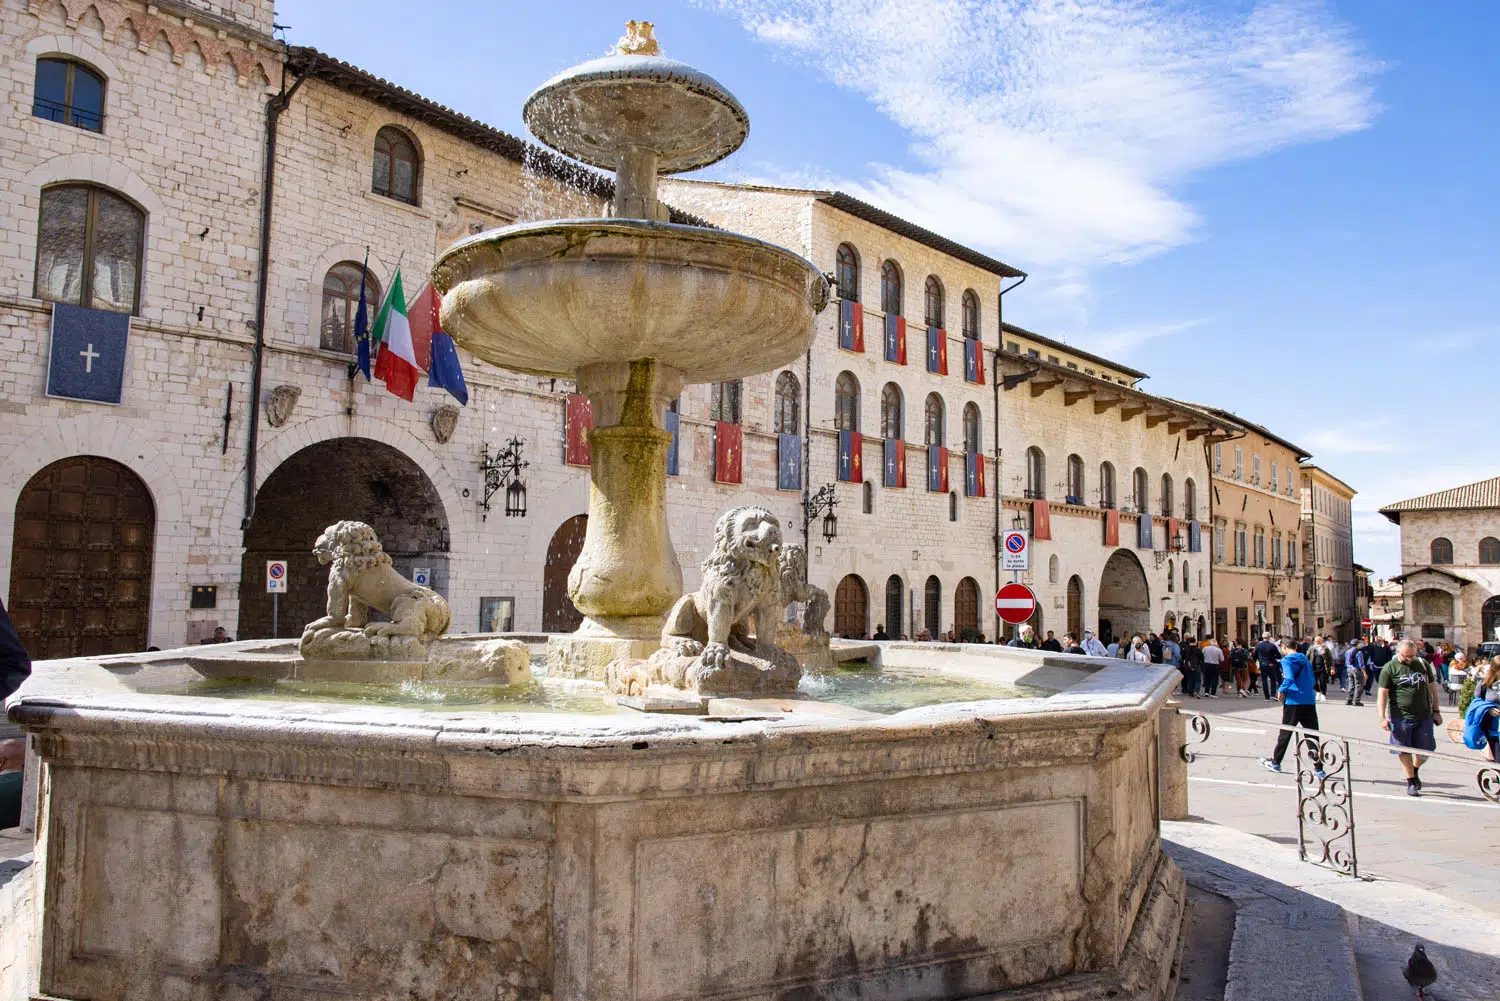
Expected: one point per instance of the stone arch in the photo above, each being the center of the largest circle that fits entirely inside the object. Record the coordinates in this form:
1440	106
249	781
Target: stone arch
98	169
1432	610
1124	596
106	436
344	478
75	47
932	606
1489	620
851	607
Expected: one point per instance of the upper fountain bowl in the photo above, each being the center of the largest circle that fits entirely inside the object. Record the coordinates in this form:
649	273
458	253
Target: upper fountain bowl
601	109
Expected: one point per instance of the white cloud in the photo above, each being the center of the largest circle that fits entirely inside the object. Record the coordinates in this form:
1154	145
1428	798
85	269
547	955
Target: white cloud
1053	130
1124	340
1345	441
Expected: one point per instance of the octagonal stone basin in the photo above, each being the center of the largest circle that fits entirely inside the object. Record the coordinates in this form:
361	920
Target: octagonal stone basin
549	298
196	848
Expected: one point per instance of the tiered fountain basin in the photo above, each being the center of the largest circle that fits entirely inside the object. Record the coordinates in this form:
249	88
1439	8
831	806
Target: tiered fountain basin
198	847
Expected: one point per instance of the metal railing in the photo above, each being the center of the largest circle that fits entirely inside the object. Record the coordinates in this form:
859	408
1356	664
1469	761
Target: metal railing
1325	787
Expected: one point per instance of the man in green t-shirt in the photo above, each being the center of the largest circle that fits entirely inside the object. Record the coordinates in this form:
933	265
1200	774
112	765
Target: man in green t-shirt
1408	708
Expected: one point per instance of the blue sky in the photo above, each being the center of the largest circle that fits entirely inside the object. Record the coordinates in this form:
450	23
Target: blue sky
1287	209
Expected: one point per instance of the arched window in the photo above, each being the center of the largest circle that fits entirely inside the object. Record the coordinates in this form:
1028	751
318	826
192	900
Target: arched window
1106	485
953	505
1489	551
890	288
1442	552
69	92
932	601
1186	577
1189	500
891	424
1054	569
1036	473
788	418
971	315
90	248
847	272
935	420
972	443
397	171
869	487
1142	498
846	402
341	305
1171	577
934	302
1166	494
1075	479
724	401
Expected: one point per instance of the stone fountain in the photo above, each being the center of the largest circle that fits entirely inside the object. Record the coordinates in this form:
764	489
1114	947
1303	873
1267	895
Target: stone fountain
197	845
632	307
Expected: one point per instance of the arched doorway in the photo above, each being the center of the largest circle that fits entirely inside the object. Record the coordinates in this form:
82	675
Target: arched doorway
80	580
932	607
1489	617
895	606
1432	611
851	607
558	613
1124	596
966	611
353	479
1075	607
1202	628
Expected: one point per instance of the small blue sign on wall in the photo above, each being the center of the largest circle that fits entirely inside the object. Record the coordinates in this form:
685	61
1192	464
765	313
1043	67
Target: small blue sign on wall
87	358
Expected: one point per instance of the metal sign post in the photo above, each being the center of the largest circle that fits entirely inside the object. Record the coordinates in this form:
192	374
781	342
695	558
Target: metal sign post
275	586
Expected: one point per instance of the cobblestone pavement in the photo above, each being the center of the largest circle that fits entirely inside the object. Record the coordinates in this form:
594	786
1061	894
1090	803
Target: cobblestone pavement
1447	840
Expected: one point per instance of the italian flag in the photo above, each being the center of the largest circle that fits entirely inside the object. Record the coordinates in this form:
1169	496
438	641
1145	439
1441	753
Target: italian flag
396	364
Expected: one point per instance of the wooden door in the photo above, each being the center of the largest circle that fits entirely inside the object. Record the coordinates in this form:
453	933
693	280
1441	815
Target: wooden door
966	608
895	606
1075	608
558	613
851	603
81	564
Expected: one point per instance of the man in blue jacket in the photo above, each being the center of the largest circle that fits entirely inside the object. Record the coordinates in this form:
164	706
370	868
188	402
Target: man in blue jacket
1268	660
1354	660
1299	702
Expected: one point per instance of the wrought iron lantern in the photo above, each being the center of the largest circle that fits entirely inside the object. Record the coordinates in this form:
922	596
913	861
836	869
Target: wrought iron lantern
504	470
824	501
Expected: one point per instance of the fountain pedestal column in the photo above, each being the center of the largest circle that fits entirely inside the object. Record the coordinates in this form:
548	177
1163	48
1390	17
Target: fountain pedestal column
627	575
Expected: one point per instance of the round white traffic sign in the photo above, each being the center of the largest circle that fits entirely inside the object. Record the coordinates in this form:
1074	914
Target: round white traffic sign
1015	603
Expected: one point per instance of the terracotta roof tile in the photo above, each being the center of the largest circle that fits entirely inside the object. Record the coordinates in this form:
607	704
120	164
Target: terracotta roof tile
1470	496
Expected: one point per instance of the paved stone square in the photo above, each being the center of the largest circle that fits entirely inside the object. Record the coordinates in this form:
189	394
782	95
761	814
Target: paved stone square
1447	840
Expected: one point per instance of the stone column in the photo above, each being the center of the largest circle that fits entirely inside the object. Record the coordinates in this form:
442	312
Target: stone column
1172	787
627	576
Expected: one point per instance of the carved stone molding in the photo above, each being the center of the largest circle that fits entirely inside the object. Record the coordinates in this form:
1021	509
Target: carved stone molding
283	400
444	421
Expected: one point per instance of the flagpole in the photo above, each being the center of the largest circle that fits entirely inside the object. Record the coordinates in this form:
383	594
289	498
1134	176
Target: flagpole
364	270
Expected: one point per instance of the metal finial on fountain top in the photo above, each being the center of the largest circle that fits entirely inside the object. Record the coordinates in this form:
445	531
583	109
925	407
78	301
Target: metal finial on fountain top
639	114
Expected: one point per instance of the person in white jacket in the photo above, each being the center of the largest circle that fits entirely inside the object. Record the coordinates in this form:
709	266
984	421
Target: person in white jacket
1092	646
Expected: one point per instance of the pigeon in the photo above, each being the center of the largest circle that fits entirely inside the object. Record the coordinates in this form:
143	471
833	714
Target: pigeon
1419	971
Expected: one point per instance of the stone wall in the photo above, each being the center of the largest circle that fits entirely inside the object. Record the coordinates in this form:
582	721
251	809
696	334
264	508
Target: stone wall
1464	529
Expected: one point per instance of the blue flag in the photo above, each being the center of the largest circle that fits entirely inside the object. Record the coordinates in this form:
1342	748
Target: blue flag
789	462
446	373
362	323
87	358
1143	531
672	420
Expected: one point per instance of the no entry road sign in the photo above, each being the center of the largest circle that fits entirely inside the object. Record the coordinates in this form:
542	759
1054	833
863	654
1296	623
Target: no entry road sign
1366	623
1015	603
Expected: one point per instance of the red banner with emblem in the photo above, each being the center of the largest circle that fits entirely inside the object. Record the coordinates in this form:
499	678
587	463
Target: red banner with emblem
577	422
1041	520
1172	527
729	446
1111	527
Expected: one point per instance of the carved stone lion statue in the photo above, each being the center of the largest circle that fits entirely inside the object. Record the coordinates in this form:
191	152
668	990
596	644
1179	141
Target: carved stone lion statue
741	586
361	578
794	587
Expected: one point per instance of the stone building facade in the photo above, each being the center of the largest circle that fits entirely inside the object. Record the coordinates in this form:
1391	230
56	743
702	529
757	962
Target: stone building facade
1450	563
149	522
1257	533
1330	584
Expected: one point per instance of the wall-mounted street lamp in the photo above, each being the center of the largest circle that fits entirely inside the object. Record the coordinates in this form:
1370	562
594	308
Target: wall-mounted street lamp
1174	545
504	470
823	502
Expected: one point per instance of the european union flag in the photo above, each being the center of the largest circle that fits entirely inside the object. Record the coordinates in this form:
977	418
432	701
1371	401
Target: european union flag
673	422
87	359
789	462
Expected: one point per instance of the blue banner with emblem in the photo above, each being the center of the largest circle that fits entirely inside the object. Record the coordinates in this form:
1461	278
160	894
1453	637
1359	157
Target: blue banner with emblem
672	421
87	357
1195	537
789	462
1143	531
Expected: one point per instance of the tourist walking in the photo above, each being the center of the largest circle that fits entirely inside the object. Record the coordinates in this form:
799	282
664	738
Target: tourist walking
1268	661
1213	663
1354	660
1322	664
1408	706
1140	653
1377	655
1299	703
1482	718
1193	663
1239	665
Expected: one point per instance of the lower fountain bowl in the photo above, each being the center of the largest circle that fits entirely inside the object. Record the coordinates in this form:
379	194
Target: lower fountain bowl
550	298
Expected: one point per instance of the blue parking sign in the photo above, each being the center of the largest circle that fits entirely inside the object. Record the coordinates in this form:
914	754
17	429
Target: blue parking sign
87	357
